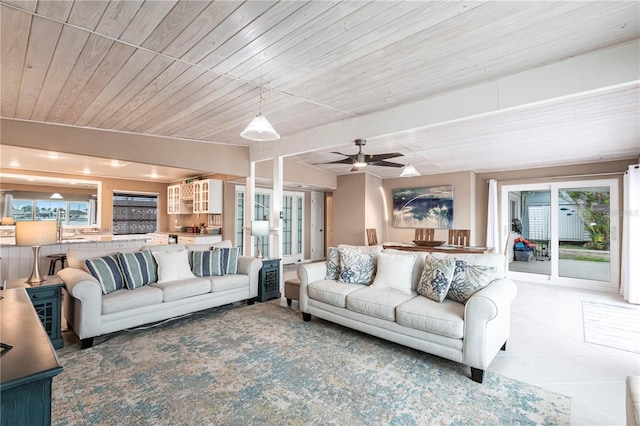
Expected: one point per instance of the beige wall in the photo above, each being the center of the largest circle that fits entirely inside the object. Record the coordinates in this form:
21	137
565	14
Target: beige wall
349	203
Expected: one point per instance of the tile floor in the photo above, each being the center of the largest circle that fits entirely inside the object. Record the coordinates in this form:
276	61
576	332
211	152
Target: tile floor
547	349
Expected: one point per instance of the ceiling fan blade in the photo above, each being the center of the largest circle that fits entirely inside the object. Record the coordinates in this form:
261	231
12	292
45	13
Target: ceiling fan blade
343	161
352	156
380	157
385	164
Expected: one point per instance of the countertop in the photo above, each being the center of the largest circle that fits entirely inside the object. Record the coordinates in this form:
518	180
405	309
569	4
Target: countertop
186	234
86	238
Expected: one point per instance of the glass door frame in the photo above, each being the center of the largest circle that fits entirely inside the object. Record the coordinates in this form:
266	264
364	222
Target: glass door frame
554	188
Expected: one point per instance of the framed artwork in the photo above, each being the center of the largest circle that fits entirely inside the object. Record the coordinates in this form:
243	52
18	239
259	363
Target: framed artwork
426	207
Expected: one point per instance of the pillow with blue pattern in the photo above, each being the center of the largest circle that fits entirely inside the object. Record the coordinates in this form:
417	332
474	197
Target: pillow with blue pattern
229	260
107	271
138	269
436	278
357	267
333	264
468	279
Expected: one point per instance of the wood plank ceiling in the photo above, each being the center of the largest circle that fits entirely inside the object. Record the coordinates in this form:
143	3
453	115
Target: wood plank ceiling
194	69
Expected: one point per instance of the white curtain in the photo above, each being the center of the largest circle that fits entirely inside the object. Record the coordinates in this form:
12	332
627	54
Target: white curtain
493	235
630	273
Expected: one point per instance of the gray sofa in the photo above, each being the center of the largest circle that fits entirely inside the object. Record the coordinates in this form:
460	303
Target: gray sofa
470	333
90	312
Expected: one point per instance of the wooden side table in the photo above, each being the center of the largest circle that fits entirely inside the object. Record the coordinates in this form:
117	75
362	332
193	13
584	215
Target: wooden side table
46	298
28	367
269	280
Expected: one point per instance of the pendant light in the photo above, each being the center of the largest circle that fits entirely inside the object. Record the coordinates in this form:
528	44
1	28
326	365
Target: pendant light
409	171
260	129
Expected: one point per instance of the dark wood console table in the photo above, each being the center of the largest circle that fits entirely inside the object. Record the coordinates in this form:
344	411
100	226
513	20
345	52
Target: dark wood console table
27	369
442	249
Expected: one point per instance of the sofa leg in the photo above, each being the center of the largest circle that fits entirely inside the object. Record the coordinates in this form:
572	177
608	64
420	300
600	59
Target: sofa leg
251	301
86	343
306	316
477	374
504	347
288	301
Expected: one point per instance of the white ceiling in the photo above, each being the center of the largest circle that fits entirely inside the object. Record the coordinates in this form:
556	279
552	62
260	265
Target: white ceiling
193	70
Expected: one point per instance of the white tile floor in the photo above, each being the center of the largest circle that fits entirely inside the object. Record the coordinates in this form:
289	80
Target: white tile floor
547	349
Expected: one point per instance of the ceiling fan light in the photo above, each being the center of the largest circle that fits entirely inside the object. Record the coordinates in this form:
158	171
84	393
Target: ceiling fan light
409	171
260	130
360	161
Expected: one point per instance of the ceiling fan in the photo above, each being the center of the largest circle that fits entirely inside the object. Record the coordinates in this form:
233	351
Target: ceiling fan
360	160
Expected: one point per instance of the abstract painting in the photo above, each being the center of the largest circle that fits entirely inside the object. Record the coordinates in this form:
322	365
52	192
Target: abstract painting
426	207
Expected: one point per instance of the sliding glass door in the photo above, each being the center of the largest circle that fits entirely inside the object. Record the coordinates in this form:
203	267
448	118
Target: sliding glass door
563	232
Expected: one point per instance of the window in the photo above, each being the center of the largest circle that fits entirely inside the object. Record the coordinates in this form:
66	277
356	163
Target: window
47	209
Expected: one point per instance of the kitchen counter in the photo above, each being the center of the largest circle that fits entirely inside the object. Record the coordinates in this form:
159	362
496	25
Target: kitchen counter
86	238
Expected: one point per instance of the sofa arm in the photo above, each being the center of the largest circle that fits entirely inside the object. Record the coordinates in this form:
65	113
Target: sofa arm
308	273
84	308
487	317
250	266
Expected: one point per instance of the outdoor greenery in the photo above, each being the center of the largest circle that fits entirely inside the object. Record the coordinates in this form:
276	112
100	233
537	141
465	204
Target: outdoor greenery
593	207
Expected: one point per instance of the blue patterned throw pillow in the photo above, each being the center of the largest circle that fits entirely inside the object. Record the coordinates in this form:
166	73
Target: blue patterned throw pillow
229	260
107	271
138	269
206	263
436	278
357	267
468	279
333	264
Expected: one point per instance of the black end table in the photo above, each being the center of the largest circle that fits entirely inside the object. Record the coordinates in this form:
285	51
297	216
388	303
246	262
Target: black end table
269	280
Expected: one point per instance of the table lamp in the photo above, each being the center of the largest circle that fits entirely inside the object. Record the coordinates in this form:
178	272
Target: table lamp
259	228
35	234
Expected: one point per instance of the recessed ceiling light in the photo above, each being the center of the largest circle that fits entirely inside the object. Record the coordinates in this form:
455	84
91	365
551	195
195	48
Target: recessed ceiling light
14	163
86	171
154	175
53	155
115	163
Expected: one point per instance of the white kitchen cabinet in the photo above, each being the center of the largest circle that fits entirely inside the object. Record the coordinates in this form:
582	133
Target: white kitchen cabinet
207	196
178	199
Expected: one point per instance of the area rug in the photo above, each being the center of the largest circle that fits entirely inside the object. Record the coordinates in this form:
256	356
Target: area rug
262	364
611	325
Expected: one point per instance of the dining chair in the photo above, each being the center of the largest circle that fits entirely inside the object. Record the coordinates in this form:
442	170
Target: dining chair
459	237
372	236
424	234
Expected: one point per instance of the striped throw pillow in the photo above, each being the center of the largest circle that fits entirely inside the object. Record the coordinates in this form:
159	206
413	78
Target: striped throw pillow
138	269
206	263
229	260
107	271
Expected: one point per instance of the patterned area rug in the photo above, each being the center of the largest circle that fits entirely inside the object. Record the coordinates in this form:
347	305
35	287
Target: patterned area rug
262	364
614	326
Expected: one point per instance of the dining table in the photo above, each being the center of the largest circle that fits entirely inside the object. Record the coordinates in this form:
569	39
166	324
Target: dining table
445	248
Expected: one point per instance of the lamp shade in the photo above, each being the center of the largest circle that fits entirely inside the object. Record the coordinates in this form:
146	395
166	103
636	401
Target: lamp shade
56	196
259	228
36	233
260	130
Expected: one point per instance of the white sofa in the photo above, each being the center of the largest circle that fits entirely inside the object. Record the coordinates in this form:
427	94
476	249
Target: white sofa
90	312
470	333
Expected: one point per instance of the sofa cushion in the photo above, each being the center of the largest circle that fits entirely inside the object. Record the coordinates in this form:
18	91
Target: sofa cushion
206	263
379	303
357	267
180	289
418	265
421	313
436	278
229	282
331	292
393	272
107	271
469	279
172	265
138	269
125	300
